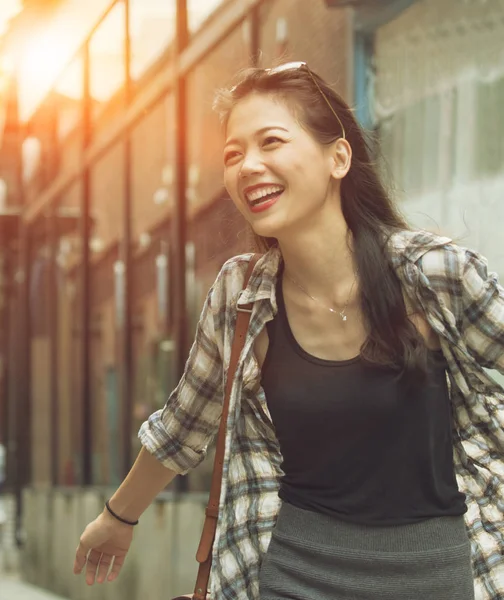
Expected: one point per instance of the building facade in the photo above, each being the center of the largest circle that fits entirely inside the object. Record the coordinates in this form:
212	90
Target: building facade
436	100
101	176
119	225
115	223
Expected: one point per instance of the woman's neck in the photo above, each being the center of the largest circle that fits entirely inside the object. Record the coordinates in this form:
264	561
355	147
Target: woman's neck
320	258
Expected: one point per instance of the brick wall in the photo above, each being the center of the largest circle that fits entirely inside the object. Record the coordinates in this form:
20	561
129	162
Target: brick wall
291	30
296	29
311	32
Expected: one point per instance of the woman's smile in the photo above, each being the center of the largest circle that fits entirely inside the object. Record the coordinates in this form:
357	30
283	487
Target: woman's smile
262	196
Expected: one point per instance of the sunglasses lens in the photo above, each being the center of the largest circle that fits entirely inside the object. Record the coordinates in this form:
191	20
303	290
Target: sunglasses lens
287	67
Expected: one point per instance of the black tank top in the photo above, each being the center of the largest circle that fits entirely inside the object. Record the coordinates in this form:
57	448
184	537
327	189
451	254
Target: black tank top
356	442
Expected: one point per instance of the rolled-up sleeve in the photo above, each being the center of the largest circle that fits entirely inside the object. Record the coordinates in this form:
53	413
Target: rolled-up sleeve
482	312
179	434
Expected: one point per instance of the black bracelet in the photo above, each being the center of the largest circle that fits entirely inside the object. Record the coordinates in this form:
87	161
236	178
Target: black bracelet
132	523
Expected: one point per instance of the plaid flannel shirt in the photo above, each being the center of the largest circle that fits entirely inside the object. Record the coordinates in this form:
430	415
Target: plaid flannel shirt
463	304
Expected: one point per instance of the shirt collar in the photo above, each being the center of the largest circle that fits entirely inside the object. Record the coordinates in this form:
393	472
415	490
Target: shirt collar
405	247
262	282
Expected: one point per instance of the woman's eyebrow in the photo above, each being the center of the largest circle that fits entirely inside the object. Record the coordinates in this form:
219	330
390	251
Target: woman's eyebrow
258	132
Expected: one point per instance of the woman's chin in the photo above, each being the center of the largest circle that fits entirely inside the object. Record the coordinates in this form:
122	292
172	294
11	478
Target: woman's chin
268	228
266	232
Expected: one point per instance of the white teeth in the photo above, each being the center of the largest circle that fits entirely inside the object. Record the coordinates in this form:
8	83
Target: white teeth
259	193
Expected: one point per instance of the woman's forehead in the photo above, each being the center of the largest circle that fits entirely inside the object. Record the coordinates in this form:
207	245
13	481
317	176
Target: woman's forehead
257	112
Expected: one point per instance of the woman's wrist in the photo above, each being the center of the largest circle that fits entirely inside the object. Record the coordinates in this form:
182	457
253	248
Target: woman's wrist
118	515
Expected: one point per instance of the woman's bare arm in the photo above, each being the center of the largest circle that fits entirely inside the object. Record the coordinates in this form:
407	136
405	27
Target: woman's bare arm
105	542
143	483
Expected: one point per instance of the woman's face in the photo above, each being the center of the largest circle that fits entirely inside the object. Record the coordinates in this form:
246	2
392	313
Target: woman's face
276	173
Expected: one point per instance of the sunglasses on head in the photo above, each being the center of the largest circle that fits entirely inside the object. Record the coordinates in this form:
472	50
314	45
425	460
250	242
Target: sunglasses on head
302	65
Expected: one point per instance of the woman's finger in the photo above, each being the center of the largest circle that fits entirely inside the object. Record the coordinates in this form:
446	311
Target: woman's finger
116	568
80	558
103	569
93	561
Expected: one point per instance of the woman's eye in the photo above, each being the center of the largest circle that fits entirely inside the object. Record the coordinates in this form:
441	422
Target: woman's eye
271	139
230	156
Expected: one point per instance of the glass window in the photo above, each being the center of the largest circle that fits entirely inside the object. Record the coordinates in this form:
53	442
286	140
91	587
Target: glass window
107	290
39	291
31	152
152	167
3	194
8	10
107	189
43	58
411	145
204	131
430	148
489	155
106	57
106	312
452	141
68	93
199	10
152	29
6	83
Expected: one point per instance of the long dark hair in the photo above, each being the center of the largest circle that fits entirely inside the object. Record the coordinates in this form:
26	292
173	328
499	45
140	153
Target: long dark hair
370	214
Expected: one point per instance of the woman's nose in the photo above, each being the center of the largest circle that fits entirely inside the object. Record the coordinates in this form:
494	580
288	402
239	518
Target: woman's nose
252	164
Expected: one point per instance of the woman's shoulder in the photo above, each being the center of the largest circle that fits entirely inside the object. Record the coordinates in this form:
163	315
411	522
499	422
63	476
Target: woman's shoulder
428	250
236	265
231	278
414	243
448	265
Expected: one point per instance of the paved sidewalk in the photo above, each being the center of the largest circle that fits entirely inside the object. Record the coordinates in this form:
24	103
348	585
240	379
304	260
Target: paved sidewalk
12	588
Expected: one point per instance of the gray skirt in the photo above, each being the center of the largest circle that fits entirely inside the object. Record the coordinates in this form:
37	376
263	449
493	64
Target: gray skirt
317	557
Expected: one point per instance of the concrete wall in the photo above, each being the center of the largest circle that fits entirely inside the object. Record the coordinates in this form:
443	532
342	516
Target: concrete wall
439	73
438	101
160	563
9	555
287	32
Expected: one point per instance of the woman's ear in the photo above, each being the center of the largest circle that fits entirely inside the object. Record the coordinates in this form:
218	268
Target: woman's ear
341	154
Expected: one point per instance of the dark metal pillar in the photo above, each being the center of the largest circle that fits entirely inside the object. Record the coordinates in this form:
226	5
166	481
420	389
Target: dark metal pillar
5	305
4	338
19	450
180	214
52	240
126	333
23	374
84	229
179	223
52	236
10	334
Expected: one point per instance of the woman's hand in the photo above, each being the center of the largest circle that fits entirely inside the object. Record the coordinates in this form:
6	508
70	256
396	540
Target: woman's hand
104	542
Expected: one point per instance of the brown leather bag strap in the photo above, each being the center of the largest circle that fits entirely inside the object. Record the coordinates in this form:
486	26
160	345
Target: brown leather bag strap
204	553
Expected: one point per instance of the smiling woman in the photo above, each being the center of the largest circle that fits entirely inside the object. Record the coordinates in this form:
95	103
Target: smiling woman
363	439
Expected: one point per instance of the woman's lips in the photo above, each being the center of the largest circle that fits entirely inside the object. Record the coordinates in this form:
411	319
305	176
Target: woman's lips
262	206
262	196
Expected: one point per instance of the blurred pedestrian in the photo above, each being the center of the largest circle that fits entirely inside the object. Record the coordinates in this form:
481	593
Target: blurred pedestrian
365	439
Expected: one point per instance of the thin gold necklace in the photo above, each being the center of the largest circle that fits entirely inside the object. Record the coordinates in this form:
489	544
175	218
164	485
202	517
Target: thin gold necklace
341	313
